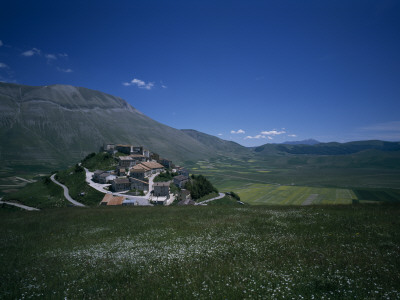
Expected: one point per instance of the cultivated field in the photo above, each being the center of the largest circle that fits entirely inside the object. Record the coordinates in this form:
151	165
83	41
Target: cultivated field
290	180
324	252
259	194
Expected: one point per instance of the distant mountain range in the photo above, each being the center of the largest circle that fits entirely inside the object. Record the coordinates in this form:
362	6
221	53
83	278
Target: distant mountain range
55	126
328	148
303	142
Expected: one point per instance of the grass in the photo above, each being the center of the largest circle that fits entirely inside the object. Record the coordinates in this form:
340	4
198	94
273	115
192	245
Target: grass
378	195
99	161
79	190
261	194
46	194
337	171
293	179
41	194
206	197
221	252
226	201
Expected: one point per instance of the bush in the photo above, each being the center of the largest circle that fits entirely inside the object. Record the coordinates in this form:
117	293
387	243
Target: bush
234	195
78	168
89	156
167	176
199	186
46	180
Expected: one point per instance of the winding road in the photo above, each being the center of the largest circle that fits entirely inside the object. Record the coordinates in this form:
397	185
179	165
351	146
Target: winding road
19	205
221	195
66	192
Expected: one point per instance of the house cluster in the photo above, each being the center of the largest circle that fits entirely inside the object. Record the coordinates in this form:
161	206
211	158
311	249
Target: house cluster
133	172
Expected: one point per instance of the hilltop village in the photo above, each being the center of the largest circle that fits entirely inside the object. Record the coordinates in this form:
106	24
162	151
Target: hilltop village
141	177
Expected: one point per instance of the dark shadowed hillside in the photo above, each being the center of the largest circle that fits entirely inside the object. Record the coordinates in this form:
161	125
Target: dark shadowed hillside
58	125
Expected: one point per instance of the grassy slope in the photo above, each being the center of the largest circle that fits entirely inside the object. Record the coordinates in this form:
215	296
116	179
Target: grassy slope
226	201
76	183
40	194
336	252
69	122
100	161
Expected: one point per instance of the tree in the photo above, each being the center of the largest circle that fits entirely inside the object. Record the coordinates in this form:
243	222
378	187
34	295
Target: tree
199	186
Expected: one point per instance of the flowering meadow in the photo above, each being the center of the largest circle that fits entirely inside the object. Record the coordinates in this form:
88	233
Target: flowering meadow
215	252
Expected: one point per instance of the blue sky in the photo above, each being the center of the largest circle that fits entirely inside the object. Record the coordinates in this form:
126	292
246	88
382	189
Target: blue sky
254	72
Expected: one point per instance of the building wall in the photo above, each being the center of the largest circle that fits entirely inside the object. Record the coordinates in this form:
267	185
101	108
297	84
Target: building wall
138	175
161	191
121	186
139	186
126	163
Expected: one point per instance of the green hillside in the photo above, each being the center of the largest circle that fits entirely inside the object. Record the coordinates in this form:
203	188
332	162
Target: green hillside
228	148
54	126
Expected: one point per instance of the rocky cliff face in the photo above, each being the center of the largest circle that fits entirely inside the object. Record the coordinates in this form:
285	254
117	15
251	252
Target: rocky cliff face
58	125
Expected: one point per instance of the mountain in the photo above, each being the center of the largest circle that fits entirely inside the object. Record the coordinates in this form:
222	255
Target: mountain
303	142
49	127
57	125
219	145
328	148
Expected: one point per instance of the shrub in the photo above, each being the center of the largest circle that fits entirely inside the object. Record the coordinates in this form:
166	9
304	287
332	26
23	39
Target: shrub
199	186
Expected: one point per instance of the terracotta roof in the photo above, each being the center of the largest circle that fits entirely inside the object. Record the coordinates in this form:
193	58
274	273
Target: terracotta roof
141	167
138	170
112	200
152	165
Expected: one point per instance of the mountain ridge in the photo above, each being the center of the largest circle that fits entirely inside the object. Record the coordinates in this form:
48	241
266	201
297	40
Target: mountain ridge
302	142
56	126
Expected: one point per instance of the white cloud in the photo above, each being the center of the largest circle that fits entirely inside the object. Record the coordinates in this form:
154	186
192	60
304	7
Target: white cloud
220	134
258	136
1	43
3	65
32	52
62	54
270	138
292	135
273	132
238	132
50	56
140	84
65	70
